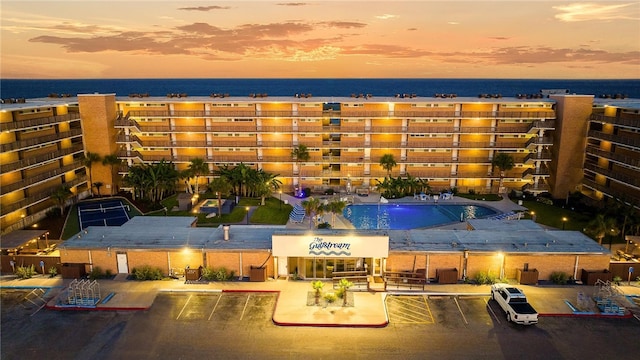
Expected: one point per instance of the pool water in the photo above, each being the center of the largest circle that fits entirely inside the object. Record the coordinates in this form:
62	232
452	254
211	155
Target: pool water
408	216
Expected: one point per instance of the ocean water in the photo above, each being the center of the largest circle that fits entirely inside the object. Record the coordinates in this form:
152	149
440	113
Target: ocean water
21	88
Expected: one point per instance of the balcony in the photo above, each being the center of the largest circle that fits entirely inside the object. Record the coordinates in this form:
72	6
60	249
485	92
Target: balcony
618	158
537	156
40	140
28	162
275	129
630	123
533	172
535	188
625	179
33	123
32	180
386	129
40	197
538	141
627	195
621	140
541	125
275	144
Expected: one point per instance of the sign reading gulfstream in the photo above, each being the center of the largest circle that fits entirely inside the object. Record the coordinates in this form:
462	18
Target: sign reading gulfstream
320	247
338	244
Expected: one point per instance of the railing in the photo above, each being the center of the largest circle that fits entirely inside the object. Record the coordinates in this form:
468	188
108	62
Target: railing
623	159
41	140
622	178
44	195
536	140
627	195
286	144
34	179
633	123
623	140
538	156
40	158
30	123
342	114
543	171
535	188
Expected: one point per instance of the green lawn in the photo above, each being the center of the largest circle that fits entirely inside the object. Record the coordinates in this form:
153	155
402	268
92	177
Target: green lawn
550	215
486	197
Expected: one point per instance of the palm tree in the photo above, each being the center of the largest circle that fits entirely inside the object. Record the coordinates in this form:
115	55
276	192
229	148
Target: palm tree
98	185
265	184
221	187
344	286
602	226
311	206
388	162
112	161
60	197
300	154
198	167
503	162
335	207
88	160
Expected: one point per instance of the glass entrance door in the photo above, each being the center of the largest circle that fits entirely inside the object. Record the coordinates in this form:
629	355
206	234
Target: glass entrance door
322	268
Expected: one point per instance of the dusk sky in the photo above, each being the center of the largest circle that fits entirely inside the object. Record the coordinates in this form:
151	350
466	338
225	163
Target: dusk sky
320	39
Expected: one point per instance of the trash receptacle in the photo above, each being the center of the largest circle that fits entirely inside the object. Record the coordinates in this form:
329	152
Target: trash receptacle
258	274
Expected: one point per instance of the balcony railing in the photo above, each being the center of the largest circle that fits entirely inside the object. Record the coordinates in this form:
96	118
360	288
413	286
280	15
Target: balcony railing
629	196
41	140
24	163
628	180
41	196
34	179
537	156
31	123
632	123
622	140
619	158
531	172
343	114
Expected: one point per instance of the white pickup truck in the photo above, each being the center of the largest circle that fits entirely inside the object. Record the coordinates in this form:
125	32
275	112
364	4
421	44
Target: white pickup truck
514	303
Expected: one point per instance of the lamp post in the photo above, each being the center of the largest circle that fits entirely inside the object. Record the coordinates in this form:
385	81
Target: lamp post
247	208
564	221
280	199
533	215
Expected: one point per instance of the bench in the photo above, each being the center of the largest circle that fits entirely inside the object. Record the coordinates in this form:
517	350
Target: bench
360	279
412	280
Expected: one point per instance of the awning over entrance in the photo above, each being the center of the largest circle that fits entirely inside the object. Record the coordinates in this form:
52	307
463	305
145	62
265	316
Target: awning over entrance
321	245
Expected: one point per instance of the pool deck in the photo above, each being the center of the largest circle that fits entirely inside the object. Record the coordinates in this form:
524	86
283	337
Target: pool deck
503	206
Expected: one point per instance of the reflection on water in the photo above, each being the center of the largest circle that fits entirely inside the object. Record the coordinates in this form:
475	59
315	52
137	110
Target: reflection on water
409	216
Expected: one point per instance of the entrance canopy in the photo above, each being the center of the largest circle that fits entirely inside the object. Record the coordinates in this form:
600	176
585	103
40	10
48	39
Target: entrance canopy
330	245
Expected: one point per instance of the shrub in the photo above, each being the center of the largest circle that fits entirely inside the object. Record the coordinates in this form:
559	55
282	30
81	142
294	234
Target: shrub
96	273
559	277
324	225
53	271
220	274
146	272
330	297
472	192
617	280
25	272
545	201
485	278
329	192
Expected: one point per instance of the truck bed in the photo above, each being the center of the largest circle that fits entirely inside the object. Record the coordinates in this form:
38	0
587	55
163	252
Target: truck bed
523	308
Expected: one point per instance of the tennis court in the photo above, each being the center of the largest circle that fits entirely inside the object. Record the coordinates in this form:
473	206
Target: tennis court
103	213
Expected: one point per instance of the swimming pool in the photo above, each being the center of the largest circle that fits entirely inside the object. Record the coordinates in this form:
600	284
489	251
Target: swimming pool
409	216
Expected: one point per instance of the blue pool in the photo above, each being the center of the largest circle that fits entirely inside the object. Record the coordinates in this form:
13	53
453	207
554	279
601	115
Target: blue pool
408	216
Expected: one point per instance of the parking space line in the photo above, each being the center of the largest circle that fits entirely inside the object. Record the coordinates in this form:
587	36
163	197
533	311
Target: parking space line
214	307
492	312
245	306
184	307
426	303
455	298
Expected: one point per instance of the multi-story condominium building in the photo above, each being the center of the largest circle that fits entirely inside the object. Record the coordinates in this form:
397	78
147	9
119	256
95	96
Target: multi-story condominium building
42	149
448	141
612	161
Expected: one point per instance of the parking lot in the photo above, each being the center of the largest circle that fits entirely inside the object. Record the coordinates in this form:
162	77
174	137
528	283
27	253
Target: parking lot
196	325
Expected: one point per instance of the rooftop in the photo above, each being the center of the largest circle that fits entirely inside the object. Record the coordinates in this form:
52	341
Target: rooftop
170	233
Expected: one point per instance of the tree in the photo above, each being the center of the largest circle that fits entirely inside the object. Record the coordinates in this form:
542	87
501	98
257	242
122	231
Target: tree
335	207
221	187
60	197
112	161
317	286
265	183
311	206
602	226
344	286
503	162
98	185
300	154
198	167
88	160
388	162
